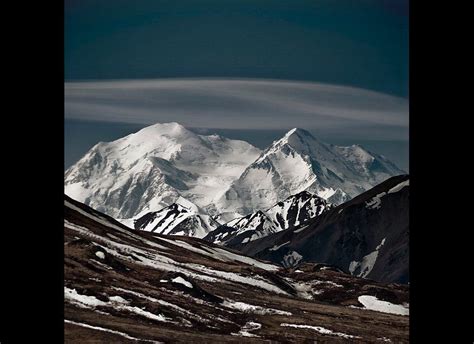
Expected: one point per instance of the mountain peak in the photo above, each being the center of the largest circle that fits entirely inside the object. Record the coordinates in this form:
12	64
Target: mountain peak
299	132
298	137
165	128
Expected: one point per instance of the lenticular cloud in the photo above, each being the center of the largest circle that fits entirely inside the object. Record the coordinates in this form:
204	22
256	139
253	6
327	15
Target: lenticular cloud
236	104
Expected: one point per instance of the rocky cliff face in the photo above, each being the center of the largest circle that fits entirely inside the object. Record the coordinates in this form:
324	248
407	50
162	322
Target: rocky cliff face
291	212
366	237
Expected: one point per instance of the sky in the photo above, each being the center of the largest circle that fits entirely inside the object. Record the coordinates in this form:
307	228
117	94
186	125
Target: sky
336	68
361	43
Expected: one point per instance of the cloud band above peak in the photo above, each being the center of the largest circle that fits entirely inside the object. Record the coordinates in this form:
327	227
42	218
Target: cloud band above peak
237	104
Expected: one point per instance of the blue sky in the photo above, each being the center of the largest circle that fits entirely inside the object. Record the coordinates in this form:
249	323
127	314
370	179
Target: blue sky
361	43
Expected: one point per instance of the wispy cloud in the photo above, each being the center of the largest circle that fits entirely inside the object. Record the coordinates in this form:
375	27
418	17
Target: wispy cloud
239	104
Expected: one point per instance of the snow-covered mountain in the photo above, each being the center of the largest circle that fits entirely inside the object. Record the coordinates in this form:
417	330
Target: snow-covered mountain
243	229
150	169
299	162
297	209
180	218
291	212
366	236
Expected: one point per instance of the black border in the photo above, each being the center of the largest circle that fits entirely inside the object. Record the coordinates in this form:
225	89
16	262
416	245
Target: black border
440	265
33	168
32	152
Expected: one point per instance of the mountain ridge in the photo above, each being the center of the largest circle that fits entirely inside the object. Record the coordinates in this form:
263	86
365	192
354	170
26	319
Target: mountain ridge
298	161
366	236
288	213
151	169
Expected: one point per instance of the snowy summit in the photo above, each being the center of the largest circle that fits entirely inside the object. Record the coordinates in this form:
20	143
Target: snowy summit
152	169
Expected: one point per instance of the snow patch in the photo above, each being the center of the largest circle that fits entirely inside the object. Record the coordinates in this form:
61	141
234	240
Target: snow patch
118	299
161	302
372	303
160	262
305	290
247	308
277	247
222	255
321	330
230	256
399	186
116	302
249	326
83	301
376	201
182	281
365	266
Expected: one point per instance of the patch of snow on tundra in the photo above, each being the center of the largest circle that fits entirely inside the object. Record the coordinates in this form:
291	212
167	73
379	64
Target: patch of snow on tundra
321	330
247	308
116	302
161	302
189	247
163	263
83	301
182	281
255	281
100	254
374	304
230	256
249	326
305	290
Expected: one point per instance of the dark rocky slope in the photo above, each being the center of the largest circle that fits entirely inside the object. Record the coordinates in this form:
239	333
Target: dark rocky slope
127	286
367	236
